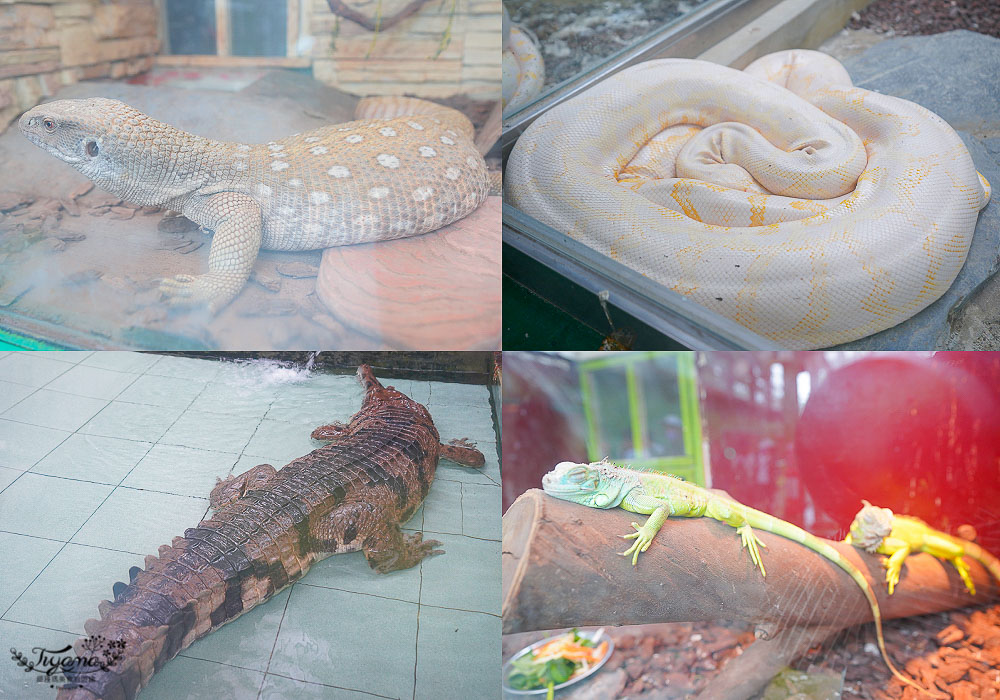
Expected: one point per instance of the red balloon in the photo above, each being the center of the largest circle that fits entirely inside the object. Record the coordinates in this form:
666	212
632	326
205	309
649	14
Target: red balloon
916	433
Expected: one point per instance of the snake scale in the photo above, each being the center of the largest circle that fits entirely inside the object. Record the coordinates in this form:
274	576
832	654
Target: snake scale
808	210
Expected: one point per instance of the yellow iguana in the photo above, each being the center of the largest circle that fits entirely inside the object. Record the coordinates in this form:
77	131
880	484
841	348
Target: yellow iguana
877	530
605	485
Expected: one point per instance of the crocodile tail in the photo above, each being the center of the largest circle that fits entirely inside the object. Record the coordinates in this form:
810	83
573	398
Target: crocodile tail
391	107
149	621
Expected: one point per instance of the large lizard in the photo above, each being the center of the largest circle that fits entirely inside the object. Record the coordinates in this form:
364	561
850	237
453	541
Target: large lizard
406	167
605	485
878	530
269	527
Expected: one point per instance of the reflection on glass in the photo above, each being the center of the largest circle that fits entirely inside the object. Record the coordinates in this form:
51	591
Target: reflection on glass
609	403
662	425
577	36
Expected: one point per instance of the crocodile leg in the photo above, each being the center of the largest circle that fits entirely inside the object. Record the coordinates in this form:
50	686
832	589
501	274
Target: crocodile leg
234	487
236	220
329	432
463	452
390	550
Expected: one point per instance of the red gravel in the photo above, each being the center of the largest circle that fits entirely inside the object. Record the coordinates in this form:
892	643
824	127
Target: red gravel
957	652
929	16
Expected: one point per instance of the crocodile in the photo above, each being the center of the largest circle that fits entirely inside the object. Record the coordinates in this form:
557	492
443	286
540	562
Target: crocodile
268	527
404	167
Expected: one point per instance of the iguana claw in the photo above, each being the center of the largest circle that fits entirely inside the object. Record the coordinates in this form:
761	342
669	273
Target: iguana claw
643	538
750	541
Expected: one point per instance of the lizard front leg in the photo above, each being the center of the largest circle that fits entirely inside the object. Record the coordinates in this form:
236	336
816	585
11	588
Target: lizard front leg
238	229
658	511
894	564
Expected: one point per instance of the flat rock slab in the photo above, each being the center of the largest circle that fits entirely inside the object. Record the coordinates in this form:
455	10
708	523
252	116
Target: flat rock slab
82	269
439	290
955	76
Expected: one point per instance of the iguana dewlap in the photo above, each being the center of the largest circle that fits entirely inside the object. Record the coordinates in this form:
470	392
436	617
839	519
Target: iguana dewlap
406	168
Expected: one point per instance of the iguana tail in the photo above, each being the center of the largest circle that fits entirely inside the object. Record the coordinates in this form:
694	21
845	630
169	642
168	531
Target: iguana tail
768	523
976	552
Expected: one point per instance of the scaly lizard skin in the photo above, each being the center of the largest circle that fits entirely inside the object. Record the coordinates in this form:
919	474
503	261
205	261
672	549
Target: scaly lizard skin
406	168
605	485
877	530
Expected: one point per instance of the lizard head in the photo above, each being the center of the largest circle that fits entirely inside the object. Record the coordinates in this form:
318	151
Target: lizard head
587	484
94	135
871	525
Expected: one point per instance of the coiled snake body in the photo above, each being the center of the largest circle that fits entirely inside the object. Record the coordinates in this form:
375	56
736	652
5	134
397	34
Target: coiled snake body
808	210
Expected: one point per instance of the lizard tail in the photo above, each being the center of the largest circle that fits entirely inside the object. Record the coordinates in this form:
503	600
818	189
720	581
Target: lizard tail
991	563
391	107
769	523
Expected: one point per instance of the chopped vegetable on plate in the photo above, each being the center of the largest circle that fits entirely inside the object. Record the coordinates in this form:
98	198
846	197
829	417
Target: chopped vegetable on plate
557	661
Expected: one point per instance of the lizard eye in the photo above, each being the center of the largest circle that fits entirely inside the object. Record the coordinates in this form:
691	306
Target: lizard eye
92	149
49	124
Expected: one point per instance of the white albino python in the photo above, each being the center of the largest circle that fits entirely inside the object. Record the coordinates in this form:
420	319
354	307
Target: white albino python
808	210
523	67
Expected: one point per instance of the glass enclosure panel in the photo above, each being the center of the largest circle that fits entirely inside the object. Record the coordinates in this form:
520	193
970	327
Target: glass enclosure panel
577	36
191	26
660	407
257	27
609	407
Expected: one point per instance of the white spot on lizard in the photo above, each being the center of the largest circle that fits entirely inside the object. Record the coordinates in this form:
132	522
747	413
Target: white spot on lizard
275	146
339	171
311	139
422	193
295	182
378	192
318	150
242	147
387	131
452	173
263	190
387	160
319	197
354	138
414	125
279	165
447	141
427	151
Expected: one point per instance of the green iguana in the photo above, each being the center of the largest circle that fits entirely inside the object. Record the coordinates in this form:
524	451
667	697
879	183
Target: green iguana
876	530
605	485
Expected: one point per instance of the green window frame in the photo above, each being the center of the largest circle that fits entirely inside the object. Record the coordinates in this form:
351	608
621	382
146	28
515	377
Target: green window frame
689	464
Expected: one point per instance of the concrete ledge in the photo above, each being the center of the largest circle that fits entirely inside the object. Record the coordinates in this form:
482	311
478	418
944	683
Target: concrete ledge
792	24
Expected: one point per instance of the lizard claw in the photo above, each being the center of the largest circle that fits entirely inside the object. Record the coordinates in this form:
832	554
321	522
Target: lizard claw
213	290
642	541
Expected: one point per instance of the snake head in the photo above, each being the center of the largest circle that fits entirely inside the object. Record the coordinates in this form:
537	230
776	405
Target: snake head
587	484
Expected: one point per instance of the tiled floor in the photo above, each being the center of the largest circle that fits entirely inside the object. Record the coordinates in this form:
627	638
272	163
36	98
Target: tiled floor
105	456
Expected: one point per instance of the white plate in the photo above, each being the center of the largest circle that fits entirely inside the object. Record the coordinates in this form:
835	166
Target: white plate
590	671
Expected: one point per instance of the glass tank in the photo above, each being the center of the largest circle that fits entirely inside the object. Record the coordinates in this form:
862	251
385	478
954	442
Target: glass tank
221	203
865	475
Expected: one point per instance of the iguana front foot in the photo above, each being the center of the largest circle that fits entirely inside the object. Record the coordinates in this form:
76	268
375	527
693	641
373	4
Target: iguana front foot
212	290
750	541
643	538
